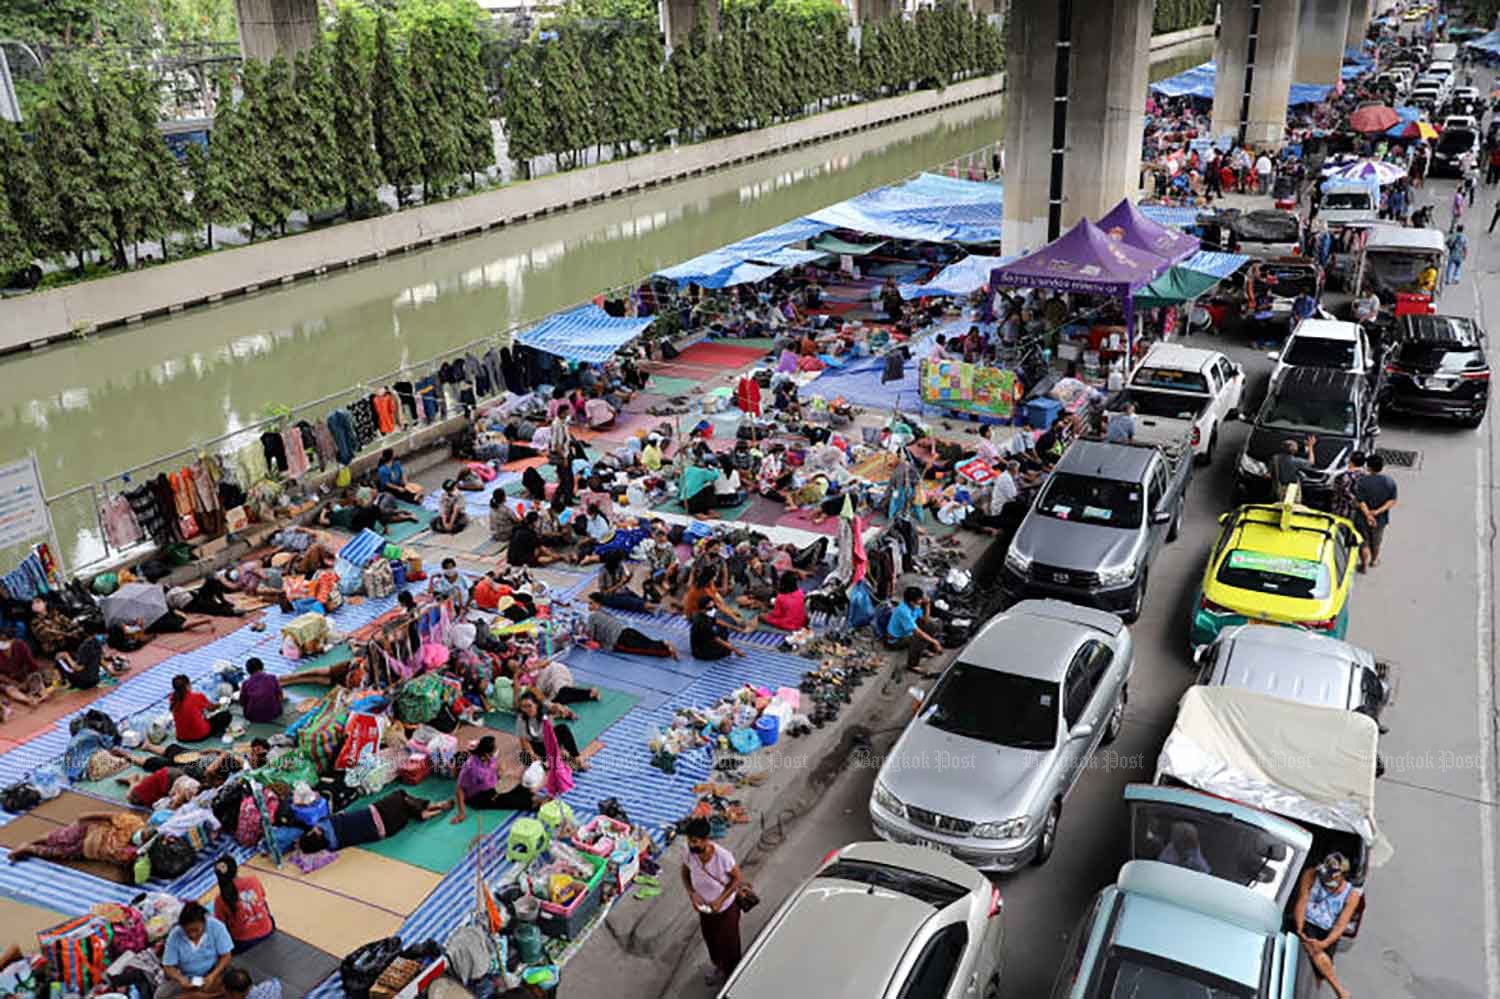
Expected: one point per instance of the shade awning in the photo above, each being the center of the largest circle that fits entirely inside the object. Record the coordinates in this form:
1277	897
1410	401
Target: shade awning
1126	223
1181	216
1177	285
1083	259
929	207
753	258
1199	82
586	333
960	278
830	243
1214	263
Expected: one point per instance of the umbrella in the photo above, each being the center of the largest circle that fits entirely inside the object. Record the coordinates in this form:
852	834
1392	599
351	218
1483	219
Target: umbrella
1384	173
143	602
1376	118
1413	130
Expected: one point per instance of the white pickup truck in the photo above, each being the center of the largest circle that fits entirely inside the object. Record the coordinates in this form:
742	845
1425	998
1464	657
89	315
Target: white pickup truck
1181	391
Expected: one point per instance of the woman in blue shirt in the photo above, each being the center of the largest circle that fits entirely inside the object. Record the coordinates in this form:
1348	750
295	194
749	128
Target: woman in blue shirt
196	955
391	478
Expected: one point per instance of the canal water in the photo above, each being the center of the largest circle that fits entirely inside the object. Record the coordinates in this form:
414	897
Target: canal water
92	408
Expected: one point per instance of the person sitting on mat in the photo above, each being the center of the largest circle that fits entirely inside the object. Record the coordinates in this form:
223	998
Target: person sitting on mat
614	635
241	905
391	478
195	957
532	711
261	697
708	638
477	783
696	489
789	609
190	715
361	824
452	518
526	549
22	678
614	588
106	837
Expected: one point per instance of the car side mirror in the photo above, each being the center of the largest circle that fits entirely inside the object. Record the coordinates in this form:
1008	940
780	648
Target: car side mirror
1199	654
1224	517
1374	431
1161	517
1083	731
1274	355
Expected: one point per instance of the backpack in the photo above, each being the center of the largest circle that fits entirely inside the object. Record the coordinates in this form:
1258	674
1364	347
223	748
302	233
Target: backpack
378	579
247	827
322	736
100	722
861	606
171	857
361	969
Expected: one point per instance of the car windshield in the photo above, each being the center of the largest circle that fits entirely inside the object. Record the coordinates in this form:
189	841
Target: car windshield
1212	843
1171	378
1347	200
1133	974
1275	575
1070	496
936	892
1320	352
994	706
1456	140
1440	357
1167	405
1315	416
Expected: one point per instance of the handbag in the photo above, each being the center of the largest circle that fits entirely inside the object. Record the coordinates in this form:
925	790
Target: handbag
745	899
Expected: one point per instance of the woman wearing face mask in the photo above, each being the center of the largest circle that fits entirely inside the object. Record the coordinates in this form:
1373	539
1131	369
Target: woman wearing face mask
713	881
1326	901
241	905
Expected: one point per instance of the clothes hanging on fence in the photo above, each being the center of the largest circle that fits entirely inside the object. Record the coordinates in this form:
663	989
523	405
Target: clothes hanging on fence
492	363
407	395
181	482
346	441
296	452
274	449
430	394
323	443
121	529
385	411
27	579
365	427
149	514
205	494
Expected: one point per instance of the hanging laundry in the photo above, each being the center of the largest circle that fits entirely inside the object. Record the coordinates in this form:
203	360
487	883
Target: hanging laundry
275	450
365	427
341	426
385	411
407	393
121	529
153	520
296	452
325	445
27	579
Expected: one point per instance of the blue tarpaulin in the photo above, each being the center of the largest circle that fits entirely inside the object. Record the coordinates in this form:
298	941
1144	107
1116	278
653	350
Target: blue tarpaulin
1486	43
929	207
1180	216
1214	264
957	279
1199	82
586	333
732	264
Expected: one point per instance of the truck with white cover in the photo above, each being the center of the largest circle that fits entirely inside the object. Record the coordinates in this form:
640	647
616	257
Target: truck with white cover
1348	201
1182	392
1394	257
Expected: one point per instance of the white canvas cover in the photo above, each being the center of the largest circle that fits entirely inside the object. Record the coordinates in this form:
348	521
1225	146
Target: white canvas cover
1303	762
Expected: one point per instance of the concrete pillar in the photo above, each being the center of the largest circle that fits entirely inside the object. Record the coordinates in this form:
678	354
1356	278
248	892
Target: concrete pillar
680	17
1255	55
1072	150
276	27
1320	41
876	10
1360	12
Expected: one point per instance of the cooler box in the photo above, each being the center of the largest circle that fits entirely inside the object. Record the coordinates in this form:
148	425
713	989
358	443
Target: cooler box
1414	304
1041	413
568	923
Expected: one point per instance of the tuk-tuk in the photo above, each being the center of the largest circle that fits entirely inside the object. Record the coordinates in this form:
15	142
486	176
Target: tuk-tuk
1312	766
1393	258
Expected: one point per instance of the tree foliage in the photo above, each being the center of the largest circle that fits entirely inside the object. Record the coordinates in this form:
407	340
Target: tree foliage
353	122
1175	15
396	137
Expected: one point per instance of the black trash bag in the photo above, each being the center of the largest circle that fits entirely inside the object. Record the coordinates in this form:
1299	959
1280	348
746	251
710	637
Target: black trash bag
171	857
19	798
613	808
226	804
361	969
98	721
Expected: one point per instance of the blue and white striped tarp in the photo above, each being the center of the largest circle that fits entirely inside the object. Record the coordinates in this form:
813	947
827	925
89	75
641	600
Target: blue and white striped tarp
1173	215
957	279
1214	264
361	548
586	333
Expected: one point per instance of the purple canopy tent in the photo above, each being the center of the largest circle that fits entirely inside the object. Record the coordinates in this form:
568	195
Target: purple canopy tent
1127	223
1086	260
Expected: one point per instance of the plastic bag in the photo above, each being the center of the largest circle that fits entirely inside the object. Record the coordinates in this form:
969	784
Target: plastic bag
535	776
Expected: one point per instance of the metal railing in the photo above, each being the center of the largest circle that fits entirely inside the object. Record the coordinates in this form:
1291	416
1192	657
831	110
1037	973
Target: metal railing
976	165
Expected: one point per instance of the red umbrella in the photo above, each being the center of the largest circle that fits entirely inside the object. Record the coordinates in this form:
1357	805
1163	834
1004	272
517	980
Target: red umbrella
1376	118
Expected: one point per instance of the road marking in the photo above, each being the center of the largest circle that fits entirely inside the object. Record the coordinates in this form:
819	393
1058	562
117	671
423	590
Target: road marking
1483	531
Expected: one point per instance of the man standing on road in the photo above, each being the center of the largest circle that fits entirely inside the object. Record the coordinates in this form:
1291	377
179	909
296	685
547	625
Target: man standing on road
1287	465
1458	248
1458	209
1122	425
1263	170
713	882
1376	495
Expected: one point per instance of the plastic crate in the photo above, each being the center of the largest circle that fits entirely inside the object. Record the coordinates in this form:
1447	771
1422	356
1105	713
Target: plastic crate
1041	413
612	829
569	923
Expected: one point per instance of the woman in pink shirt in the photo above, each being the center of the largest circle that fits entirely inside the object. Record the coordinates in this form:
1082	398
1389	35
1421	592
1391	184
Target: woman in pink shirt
713	882
789	609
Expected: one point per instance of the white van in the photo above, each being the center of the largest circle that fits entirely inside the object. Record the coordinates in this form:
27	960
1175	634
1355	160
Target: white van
1445	52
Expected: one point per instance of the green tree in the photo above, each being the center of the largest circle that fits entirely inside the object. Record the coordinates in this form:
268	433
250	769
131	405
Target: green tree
278	119
353	125
164	209
629	74
565	109
431	65
736	106
29	202
65	152
521	108
321	184
213	199
661	88
396	137
243	142
15	251
476	135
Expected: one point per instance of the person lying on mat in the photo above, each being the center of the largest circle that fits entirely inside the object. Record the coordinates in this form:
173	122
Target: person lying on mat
478	782
196	956
239	985
613	635
360	824
106	837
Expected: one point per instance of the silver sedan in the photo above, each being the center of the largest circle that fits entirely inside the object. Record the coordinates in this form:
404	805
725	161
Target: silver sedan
983	770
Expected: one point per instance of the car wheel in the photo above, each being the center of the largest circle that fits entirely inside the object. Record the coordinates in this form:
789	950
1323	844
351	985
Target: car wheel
1175	527
1048	839
1476	421
1117	717
1137	601
1207	457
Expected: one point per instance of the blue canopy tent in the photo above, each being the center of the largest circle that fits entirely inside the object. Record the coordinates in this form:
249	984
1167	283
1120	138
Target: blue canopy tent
586	333
960	278
1199	82
1489	42
753	258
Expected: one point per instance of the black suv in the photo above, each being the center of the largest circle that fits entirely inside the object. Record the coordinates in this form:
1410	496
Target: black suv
1336	407
1438	368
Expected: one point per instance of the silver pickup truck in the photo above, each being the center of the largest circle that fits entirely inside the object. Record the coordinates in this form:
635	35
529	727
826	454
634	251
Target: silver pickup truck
1098	522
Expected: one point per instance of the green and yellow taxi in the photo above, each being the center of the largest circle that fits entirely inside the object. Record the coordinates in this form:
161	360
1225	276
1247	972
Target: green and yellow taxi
1280	563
